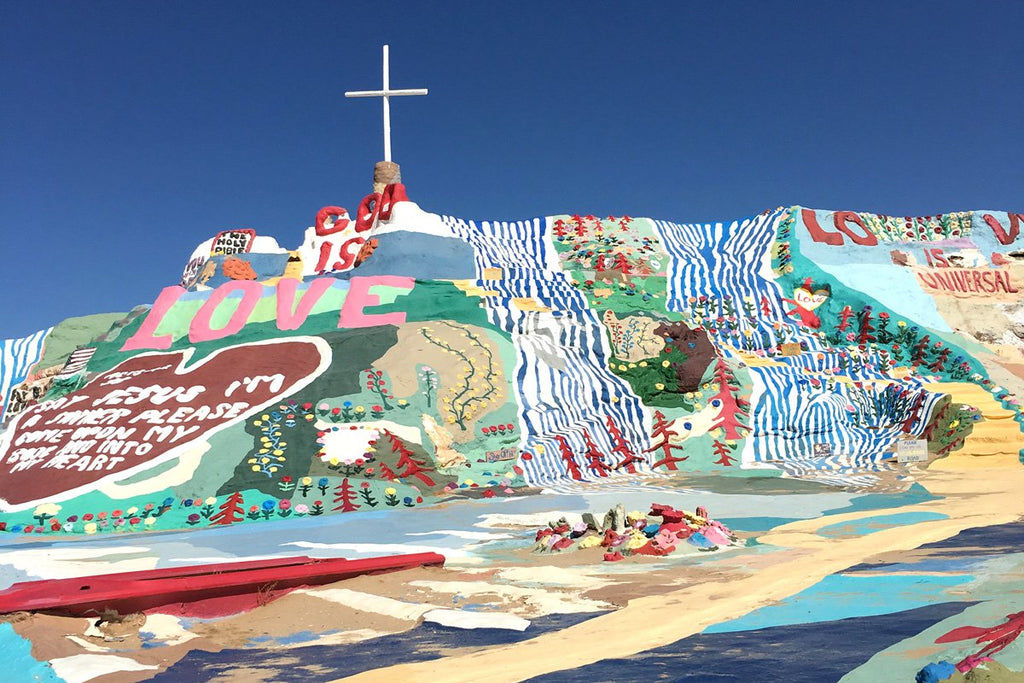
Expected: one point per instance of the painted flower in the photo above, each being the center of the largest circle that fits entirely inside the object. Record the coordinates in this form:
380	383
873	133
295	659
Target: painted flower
365	485
90	528
47	510
301	509
193	518
360	409
269	504
149	521
285	504
390	490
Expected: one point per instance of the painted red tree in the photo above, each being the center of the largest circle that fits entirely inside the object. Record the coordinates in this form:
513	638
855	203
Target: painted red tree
766	310
571	468
723	451
865	328
620	446
621	264
913	415
345	495
995	637
734	411
409	465
939	364
920	350
663	430
560	228
231	510
844	319
594	456
386	472
581	228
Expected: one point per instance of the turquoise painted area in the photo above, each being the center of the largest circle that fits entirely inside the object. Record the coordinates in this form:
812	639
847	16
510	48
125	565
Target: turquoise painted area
757	523
877	501
895	288
870	525
17	657
840	597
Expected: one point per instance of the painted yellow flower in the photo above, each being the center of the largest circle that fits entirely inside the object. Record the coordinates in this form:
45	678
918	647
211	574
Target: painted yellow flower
360	409
306	481
659	386
643	364
150	521
665	363
390	491
90	528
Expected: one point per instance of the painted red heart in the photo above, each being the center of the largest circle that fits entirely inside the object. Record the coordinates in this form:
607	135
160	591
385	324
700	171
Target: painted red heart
143	412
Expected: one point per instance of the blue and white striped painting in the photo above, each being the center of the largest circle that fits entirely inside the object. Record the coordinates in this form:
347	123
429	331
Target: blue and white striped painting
17	356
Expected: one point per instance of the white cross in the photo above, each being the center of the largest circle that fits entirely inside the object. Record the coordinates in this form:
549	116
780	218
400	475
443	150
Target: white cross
385	94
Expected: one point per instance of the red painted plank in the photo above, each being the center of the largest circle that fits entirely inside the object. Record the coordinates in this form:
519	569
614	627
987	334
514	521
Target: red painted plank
136	591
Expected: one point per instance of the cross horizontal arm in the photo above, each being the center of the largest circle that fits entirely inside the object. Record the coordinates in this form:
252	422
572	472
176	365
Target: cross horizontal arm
384	93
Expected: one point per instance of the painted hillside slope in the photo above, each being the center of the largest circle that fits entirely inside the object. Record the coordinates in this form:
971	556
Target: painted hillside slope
396	356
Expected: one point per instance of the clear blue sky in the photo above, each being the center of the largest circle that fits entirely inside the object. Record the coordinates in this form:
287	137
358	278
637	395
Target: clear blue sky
132	131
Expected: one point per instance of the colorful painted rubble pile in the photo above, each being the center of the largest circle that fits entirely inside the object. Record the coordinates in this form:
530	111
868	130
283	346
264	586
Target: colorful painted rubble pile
621	534
397	356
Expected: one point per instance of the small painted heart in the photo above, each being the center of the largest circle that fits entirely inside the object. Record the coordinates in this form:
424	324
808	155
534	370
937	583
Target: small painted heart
809	301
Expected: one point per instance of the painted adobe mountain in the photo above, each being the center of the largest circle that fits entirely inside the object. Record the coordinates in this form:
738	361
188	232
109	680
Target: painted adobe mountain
397	356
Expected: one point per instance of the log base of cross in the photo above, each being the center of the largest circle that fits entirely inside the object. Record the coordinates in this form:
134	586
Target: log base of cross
385	173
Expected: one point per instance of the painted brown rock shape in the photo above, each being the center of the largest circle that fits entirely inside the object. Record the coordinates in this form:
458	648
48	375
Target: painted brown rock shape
144	411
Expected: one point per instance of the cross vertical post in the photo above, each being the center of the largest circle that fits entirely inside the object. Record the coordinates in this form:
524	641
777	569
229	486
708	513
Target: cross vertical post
385	94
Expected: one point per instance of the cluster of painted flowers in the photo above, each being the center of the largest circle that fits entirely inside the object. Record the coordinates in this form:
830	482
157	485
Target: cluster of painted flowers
349	412
47	519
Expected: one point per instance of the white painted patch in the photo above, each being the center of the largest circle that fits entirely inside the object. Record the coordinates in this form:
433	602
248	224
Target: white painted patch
409	217
462	619
572	577
166	628
383	548
88	645
532	601
367	602
82	668
467	535
211	559
67	563
534	520
346	443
